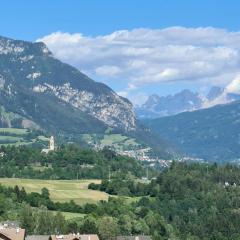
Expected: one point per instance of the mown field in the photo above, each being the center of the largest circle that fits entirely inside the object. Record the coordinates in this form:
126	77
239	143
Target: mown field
118	141
60	190
19	136
70	215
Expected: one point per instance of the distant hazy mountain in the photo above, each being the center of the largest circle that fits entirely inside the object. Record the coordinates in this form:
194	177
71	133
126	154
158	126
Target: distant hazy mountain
214	93
212	133
184	101
38	90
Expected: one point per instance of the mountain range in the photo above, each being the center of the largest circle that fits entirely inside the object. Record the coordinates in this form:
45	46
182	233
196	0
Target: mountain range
184	101
212	134
38	91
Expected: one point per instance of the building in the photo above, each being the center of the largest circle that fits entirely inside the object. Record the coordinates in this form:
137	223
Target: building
10	233
74	237
51	146
37	237
142	237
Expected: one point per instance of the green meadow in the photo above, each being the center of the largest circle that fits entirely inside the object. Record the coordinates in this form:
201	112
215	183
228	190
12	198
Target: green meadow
60	190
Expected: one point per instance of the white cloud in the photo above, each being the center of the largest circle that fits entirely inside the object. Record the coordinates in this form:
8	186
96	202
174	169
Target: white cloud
123	93
232	87
107	70
145	56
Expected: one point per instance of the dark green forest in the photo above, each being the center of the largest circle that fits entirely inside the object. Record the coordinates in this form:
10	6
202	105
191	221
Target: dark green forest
67	162
185	201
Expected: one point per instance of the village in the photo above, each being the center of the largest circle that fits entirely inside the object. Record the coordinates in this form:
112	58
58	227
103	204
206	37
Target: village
11	231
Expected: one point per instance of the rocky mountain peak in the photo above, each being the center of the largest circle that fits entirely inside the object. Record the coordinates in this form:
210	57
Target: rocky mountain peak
29	72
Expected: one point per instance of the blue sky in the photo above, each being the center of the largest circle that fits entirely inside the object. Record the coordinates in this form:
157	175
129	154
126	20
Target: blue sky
32	20
29	20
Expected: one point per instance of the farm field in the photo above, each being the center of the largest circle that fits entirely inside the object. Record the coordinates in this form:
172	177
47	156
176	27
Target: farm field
19	136
118	141
60	190
70	215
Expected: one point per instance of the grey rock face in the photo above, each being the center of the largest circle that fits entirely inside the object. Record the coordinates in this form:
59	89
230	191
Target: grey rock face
30	69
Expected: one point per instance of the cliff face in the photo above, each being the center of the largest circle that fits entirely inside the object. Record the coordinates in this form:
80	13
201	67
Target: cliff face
38	87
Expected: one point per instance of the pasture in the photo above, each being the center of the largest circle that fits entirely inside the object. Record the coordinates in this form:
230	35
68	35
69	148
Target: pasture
60	190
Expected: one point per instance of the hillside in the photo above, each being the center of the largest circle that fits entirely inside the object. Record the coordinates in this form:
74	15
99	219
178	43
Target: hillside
38	90
186	201
42	93
211	134
66	163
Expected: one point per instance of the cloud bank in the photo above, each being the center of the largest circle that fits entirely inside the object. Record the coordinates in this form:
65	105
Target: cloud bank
144	57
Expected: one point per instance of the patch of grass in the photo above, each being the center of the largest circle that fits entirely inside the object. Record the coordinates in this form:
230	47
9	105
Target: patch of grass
113	138
10	138
40	168
70	216
60	190
20	136
17	131
43	138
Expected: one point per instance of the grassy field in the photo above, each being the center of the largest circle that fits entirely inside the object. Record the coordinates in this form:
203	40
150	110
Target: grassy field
17	131
19	136
60	190
118	141
69	215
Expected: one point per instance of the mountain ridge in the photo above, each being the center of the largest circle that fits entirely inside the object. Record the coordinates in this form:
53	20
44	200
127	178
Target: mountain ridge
183	101
30	69
211	134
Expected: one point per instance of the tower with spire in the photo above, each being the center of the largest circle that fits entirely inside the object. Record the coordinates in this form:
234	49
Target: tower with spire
51	146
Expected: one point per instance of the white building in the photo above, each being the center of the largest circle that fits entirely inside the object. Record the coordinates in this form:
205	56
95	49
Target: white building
51	146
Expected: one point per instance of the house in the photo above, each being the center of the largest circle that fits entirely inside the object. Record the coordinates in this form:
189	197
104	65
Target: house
74	237
141	237
9	233
2	154
37	237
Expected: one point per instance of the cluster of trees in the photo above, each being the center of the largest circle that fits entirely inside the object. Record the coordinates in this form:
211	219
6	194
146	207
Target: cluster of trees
37	200
107	218
68	162
123	187
198	201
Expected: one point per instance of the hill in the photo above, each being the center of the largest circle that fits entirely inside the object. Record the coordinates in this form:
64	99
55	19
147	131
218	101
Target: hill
66	163
211	134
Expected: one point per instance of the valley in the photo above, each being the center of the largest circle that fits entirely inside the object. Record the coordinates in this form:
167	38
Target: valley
120	120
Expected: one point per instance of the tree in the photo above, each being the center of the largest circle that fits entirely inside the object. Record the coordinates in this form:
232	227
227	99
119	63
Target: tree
59	223
45	193
44	221
125	224
108	228
27	219
89	225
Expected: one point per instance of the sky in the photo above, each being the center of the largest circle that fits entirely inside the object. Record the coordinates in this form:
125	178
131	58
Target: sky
137	47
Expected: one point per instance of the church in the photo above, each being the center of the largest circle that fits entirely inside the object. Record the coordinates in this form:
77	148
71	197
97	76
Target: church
51	146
